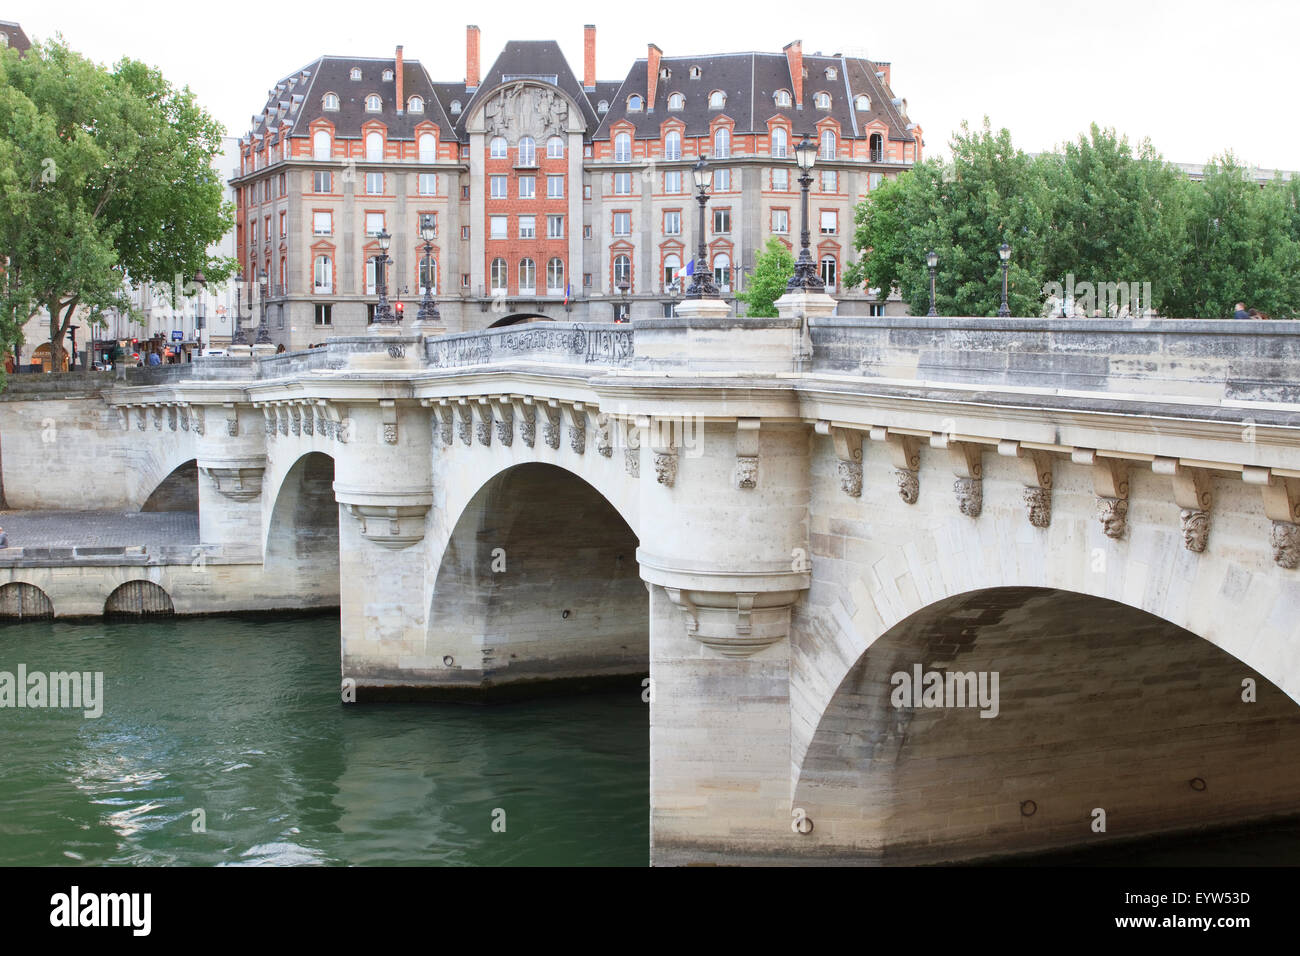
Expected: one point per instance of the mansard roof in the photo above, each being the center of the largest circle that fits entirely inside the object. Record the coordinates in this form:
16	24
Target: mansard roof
14	36
537	60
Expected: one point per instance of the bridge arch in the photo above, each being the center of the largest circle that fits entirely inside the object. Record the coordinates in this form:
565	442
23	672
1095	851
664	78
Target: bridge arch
162	474
179	491
1090	704
21	601
139	598
302	528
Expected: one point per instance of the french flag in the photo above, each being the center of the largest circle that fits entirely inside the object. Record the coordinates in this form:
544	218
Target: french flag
568	287
690	268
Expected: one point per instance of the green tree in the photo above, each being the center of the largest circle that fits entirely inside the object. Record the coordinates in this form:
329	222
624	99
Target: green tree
105	179
773	267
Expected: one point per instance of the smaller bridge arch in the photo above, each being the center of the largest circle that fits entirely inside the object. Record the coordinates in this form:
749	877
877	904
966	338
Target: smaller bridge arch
139	599
20	601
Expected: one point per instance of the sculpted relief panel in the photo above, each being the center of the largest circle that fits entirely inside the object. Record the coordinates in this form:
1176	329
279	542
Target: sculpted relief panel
522	109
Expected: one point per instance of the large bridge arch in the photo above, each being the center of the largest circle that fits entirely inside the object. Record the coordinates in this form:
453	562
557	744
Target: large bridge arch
302	528
161	469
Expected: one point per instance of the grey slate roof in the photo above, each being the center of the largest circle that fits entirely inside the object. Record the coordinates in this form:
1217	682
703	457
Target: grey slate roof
16	37
532	58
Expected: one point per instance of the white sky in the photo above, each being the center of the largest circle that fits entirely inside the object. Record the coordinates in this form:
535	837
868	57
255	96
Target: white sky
1196	77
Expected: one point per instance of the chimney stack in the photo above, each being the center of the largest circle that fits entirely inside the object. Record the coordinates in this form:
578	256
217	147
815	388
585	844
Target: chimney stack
589	57
653	55
471	57
398	74
794	58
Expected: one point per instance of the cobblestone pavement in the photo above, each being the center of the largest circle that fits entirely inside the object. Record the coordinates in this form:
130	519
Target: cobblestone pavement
62	529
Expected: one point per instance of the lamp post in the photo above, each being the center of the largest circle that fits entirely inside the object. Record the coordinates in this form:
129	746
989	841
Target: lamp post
932	260
383	311
805	278
1004	253
200	308
623	287
702	286
428	308
239	338
263	330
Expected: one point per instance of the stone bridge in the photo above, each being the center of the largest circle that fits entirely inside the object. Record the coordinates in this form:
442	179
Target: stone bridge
774	519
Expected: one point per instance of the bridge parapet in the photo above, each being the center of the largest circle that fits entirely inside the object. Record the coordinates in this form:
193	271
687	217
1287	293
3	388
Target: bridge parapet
556	343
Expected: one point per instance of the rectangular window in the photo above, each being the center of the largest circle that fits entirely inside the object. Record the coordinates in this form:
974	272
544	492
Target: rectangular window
374	223
464	192
284	224
586	191
586	232
554	227
267	229
464	232
374	184
622	184
527	187
873	180
322	181
622	224
428	184
324	315
876	309
284	187
673	222
464	280
527	227
781	220
554	187
722	220
500	225
781	180
498	184
721	180
830	222
586	280
322	223
673	181
830	181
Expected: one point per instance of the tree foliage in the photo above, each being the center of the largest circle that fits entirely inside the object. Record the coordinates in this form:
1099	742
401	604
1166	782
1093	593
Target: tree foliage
105	177
773	267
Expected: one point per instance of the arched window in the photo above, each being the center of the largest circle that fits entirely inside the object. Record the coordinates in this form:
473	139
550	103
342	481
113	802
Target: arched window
355	74
828	144
555	276
634	103
722	270
717	100
330	101
695	73
455	107
780	142
321	144
374	104
428	275
782	97
862	103
672	266
676	101
877	145
822	101
555	147
602	107
622	271
415	104
830	73
527	275
374	146
428	148
499	275
673	145
372	270
498	148
324	275
722	143
527	151
623	148
388	76
828	272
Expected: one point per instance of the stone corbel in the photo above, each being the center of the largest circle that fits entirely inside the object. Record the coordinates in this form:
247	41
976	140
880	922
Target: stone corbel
662	448
604	435
239	479
482	408
747	452
847	443
183	412
124	417
504	412
576	414
308	413
142	417
1036	473
157	417
905	456
1110	483
198	414
550	409
1282	507
171	417
232	419
631	447
1192	495
442	410
394	520
388	419
464	422
526	412
967	460
295	419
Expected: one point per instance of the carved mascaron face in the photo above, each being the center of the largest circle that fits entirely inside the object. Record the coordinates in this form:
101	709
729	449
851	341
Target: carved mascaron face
1113	513
1196	530
1286	544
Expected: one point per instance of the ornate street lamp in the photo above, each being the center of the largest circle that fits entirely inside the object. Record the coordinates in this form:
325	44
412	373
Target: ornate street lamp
263	330
932	260
1004	253
239	338
805	278
428	308
623	288
702	286
383	311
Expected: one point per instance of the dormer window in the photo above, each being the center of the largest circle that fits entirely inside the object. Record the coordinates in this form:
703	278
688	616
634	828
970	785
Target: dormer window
388	76
455	107
695	73
634	103
415	105
830	73
782	98
330	101
374	104
863	103
822	101
676	101
717	100
602	107
356	73
665	73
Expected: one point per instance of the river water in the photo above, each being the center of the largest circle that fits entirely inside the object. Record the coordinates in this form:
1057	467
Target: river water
242	719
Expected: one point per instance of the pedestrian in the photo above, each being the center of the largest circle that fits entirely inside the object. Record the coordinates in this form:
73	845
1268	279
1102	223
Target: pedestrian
279	348
1253	314
154	359
1241	312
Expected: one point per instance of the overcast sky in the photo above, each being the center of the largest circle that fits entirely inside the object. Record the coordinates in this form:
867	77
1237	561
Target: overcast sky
1196	77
